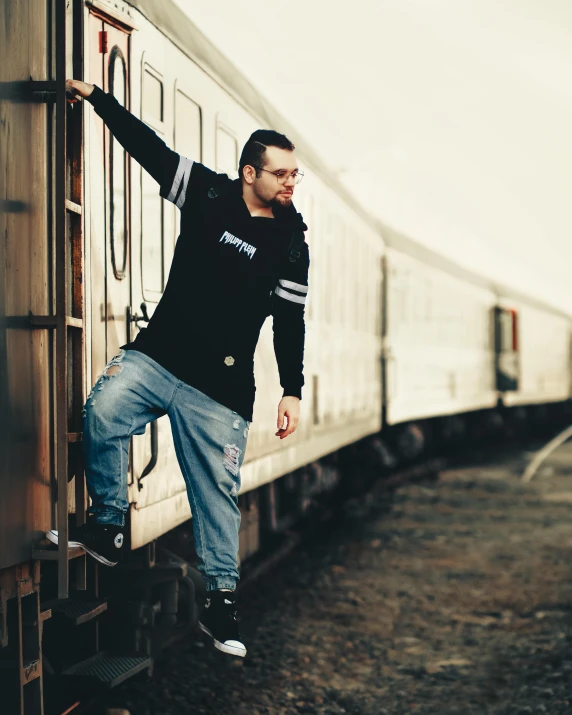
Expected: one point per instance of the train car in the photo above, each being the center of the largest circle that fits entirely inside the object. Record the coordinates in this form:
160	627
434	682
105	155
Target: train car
456	343
205	117
396	335
88	250
539	338
439	341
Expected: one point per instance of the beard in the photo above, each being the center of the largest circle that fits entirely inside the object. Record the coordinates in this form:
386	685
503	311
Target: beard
281	201
278	202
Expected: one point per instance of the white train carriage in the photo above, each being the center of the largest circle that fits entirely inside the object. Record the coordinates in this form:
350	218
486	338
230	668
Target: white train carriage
455	342
540	339
439	342
189	93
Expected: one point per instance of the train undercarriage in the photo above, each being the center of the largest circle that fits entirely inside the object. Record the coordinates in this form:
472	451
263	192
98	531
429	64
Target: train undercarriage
56	654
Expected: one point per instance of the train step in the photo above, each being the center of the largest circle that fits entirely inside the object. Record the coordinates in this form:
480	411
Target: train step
46	551
107	670
76	611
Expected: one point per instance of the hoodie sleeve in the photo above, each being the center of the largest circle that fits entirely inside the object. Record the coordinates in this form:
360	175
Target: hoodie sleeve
288	305
170	170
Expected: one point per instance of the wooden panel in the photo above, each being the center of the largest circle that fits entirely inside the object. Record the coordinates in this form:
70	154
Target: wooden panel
25	373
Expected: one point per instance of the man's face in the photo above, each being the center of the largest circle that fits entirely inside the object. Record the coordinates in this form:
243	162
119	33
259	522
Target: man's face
267	187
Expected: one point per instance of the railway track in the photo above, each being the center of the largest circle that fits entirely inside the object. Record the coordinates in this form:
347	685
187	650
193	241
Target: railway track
453	597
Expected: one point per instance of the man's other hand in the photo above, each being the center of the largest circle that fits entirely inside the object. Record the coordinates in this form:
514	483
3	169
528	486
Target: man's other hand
75	87
288	408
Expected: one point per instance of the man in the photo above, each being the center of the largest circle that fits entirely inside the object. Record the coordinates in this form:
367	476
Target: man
233	265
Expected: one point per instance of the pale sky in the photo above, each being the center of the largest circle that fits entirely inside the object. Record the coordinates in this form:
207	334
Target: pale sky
451	120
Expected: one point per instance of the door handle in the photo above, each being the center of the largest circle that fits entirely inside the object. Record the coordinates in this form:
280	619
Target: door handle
154	453
135	318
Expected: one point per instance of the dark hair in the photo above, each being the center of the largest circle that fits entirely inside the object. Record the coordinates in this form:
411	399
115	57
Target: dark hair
254	151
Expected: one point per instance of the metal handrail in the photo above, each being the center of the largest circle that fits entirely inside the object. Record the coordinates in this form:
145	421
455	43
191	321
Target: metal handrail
547	450
61	257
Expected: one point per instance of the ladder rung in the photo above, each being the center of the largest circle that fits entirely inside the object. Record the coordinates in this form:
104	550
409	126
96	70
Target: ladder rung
50	553
45	615
75	436
28	90
31	670
73	207
74	322
108	669
76	611
51	321
43	321
41	85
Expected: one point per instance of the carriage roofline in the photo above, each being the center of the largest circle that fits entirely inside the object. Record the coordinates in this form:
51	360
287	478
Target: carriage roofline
171	20
184	34
398	241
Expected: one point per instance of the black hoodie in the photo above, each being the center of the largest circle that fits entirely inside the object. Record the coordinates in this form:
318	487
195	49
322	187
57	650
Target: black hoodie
229	272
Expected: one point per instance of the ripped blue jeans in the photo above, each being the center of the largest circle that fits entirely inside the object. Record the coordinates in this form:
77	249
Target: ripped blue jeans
210	441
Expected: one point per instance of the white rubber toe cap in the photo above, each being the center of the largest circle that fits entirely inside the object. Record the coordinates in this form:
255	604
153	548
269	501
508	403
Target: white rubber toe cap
231	647
234	644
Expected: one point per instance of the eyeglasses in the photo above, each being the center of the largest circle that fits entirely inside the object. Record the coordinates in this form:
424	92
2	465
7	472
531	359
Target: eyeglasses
282	175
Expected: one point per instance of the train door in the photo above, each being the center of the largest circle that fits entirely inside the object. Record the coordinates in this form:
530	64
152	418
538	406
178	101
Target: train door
109	199
507	353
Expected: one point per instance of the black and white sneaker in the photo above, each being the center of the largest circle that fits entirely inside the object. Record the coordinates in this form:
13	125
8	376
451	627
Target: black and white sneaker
219	621
103	541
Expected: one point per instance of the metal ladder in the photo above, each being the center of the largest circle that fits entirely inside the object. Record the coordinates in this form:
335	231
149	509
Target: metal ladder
67	320
25	616
77	604
104	668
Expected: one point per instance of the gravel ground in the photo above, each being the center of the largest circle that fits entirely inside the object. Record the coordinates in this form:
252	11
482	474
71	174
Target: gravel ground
449	597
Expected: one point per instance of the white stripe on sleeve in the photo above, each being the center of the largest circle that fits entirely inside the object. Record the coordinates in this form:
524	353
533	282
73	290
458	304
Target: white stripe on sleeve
177	180
290	296
294	286
185	183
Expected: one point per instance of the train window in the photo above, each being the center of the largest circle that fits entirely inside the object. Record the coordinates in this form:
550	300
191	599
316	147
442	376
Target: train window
338	269
372	277
226	153
344	273
152	96
151	238
343	269
330	251
309	218
428	299
357	285
188	137
364	287
152	223
353	284
377	277
188	127
118	171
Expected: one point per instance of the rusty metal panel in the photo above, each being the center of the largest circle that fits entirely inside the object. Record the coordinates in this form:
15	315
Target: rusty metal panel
25	269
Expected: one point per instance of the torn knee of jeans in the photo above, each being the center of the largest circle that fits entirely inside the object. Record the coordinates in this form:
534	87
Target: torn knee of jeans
234	490
236	424
112	371
231	458
114	366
